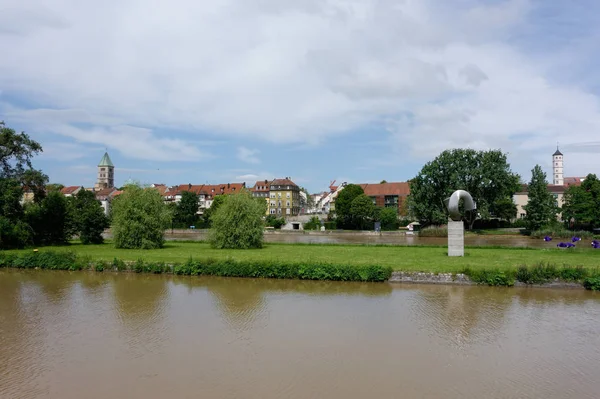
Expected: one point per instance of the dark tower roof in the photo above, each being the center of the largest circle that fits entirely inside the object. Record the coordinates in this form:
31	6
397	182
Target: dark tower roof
557	152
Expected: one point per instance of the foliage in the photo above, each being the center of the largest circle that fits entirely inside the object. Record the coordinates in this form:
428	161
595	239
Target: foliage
541	207
14	232
592	283
274	221
238	223
16	152
139	218
343	203
491	277
186	211
330	225
383	182
218	200
434	231
362	212
313	224
89	218
389	219
486	175
504	208
309	202
50	220
560	232
582	203
54	187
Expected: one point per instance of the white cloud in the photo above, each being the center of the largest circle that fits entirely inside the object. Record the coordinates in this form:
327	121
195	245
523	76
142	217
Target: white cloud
248	155
438	75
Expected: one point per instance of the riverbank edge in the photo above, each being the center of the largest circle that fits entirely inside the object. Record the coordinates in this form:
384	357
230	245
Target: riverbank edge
400	277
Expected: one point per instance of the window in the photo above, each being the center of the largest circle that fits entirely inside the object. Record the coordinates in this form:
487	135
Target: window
272	211
288	195
102	169
272	195
287	211
522	216
279	195
288	204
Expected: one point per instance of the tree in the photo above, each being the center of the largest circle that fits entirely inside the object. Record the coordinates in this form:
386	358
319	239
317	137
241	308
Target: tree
139	218
343	203
504	208
362	211
582	203
389	219
89	218
383	182
486	175
14	232
16	152
541	207
309	202
50	220
214	207
238	223
187	209
274	221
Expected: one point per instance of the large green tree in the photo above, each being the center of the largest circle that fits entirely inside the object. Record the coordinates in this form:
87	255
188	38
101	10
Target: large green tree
186	212
541	208
362	211
14	231
218	200
139	218
343	203
486	175
582	203
238	223
388	218
50	220
89	219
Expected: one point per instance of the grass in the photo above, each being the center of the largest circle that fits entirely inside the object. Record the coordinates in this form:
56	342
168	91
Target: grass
405	258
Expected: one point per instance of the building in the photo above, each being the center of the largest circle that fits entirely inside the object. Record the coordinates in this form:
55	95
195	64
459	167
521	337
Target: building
389	195
106	174
284	197
205	192
105	197
261	190
557	189
71	190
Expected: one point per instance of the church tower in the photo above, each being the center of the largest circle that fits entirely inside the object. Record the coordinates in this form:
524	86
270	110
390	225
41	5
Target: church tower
106	173
557	168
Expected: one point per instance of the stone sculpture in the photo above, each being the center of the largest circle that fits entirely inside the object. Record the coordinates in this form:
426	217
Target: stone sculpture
456	228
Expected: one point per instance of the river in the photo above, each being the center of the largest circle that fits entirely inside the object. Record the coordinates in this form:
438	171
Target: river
104	335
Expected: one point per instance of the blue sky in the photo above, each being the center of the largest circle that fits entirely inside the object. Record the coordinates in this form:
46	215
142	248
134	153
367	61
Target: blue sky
352	90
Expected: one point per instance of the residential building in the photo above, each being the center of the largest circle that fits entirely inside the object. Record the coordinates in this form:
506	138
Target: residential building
71	190
261	190
105	197
284	197
205	192
389	195
106	174
557	189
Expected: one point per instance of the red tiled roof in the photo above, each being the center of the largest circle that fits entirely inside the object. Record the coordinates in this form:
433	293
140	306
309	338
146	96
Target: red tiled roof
104	193
261	186
118	192
573	181
209	189
374	190
283	182
69	190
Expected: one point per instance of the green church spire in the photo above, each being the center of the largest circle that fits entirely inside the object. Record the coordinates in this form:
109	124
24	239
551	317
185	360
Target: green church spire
105	161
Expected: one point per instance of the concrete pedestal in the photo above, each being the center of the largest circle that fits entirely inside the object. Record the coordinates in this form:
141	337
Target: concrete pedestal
456	238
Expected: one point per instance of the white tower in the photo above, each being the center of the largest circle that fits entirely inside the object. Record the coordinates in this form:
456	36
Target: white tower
557	168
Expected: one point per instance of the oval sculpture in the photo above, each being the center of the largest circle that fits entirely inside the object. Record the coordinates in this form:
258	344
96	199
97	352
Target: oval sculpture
454	200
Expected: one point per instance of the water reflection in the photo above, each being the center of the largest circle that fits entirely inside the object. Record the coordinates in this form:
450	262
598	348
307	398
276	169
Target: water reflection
98	335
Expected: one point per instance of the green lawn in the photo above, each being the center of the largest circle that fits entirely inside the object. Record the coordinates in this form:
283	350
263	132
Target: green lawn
406	258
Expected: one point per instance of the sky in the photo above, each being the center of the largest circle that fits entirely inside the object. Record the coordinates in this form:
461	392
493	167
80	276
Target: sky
218	91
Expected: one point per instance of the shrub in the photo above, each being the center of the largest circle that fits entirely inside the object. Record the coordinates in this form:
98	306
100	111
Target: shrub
330	225
140	218
561	232
434	231
313	224
592	283
389	219
491	277
238	223
99	266
118	265
274	221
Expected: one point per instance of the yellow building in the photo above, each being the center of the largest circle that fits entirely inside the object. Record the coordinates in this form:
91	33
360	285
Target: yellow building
284	198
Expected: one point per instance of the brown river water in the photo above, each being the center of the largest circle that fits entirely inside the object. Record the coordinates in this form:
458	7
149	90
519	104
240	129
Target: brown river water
104	335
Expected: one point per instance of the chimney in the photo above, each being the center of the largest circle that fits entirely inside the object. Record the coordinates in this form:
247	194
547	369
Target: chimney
227	185
189	186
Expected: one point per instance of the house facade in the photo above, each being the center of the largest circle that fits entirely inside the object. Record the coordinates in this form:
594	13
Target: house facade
284	198
261	189
389	195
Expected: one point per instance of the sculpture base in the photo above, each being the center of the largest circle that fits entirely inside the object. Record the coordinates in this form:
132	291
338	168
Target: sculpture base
456	238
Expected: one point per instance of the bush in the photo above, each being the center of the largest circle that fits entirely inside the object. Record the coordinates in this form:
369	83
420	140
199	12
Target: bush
330	225
238	224
434	231
491	277
274	221
99	266
313	224
140	218
592	283
389	219
118	265
561	232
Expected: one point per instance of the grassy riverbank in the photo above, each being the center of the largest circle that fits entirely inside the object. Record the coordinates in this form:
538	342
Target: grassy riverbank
405	258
